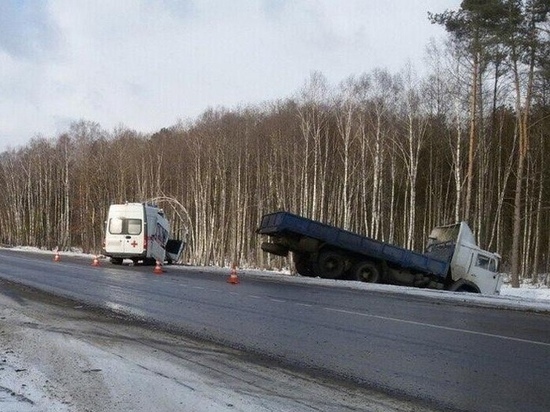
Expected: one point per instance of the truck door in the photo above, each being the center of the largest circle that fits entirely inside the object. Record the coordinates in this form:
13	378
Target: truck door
484	273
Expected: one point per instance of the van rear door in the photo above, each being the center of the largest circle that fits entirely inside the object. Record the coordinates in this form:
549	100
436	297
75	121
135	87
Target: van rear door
126	235
174	249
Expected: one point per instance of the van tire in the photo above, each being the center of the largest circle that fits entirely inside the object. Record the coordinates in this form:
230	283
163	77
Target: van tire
116	261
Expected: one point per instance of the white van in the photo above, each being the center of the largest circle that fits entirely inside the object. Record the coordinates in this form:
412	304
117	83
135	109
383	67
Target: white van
140	232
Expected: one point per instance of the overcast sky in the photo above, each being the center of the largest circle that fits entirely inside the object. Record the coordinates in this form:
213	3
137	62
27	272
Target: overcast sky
146	64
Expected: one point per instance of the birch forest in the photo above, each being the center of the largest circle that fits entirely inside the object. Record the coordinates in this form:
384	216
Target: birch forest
387	155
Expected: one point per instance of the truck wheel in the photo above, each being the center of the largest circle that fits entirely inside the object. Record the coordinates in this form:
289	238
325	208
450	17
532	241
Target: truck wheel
303	265
366	272
330	265
464	286
274	249
116	261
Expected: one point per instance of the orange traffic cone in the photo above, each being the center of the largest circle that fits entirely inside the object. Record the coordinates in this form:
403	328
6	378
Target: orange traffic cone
95	262
233	278
158	269
56	257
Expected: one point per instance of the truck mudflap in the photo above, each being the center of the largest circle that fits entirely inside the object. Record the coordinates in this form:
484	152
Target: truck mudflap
174	250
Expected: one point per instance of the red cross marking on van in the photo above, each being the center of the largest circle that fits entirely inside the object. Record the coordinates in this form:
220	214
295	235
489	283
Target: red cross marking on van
134	243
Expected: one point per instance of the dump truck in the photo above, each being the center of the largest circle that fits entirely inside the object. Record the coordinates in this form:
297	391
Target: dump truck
452	260
139	232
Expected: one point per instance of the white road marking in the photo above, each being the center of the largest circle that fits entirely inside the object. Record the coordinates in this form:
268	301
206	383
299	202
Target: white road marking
277	300
429	325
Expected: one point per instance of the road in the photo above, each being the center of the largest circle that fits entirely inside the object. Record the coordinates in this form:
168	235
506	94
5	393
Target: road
453	356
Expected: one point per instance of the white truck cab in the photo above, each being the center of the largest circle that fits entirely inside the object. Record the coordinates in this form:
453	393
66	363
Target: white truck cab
137	231
472	269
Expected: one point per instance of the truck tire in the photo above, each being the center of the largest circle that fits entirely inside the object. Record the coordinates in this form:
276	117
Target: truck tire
274	249
116	261
366	272
330	265
303	264
464	286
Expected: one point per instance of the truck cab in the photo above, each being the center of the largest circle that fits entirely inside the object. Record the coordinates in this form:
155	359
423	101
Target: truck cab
472	269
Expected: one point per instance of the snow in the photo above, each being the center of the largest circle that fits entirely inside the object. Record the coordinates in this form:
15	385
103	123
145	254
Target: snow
26	383
527	297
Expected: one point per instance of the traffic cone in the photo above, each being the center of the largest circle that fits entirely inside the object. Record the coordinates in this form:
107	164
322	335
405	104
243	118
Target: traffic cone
95	262
158	269
56	257
233	278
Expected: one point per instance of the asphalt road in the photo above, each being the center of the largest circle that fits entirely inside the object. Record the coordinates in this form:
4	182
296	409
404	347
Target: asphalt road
454	356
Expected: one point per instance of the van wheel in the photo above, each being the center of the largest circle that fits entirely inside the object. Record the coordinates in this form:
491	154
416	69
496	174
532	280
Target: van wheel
116	261
330	265
366	272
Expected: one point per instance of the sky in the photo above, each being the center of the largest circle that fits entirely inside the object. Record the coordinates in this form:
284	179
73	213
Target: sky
148	64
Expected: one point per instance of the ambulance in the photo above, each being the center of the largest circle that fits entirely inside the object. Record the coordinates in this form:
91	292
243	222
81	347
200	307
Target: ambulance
139	232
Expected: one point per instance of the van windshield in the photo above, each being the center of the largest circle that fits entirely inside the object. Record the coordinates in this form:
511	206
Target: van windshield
122	226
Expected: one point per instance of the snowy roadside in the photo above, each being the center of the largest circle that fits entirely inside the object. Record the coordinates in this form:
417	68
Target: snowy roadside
528	297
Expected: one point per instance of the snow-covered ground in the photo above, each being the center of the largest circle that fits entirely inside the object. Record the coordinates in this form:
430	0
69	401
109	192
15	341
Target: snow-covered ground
64	362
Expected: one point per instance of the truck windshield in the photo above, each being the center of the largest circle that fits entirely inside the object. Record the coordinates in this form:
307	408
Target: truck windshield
122	226
443	235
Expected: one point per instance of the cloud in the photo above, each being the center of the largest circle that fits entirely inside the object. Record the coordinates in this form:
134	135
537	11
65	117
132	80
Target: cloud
27	30
148	63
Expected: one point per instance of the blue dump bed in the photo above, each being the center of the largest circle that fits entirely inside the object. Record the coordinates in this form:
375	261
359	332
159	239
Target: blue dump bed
284	223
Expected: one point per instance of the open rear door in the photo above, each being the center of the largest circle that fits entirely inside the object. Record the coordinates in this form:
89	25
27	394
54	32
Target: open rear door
174	250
